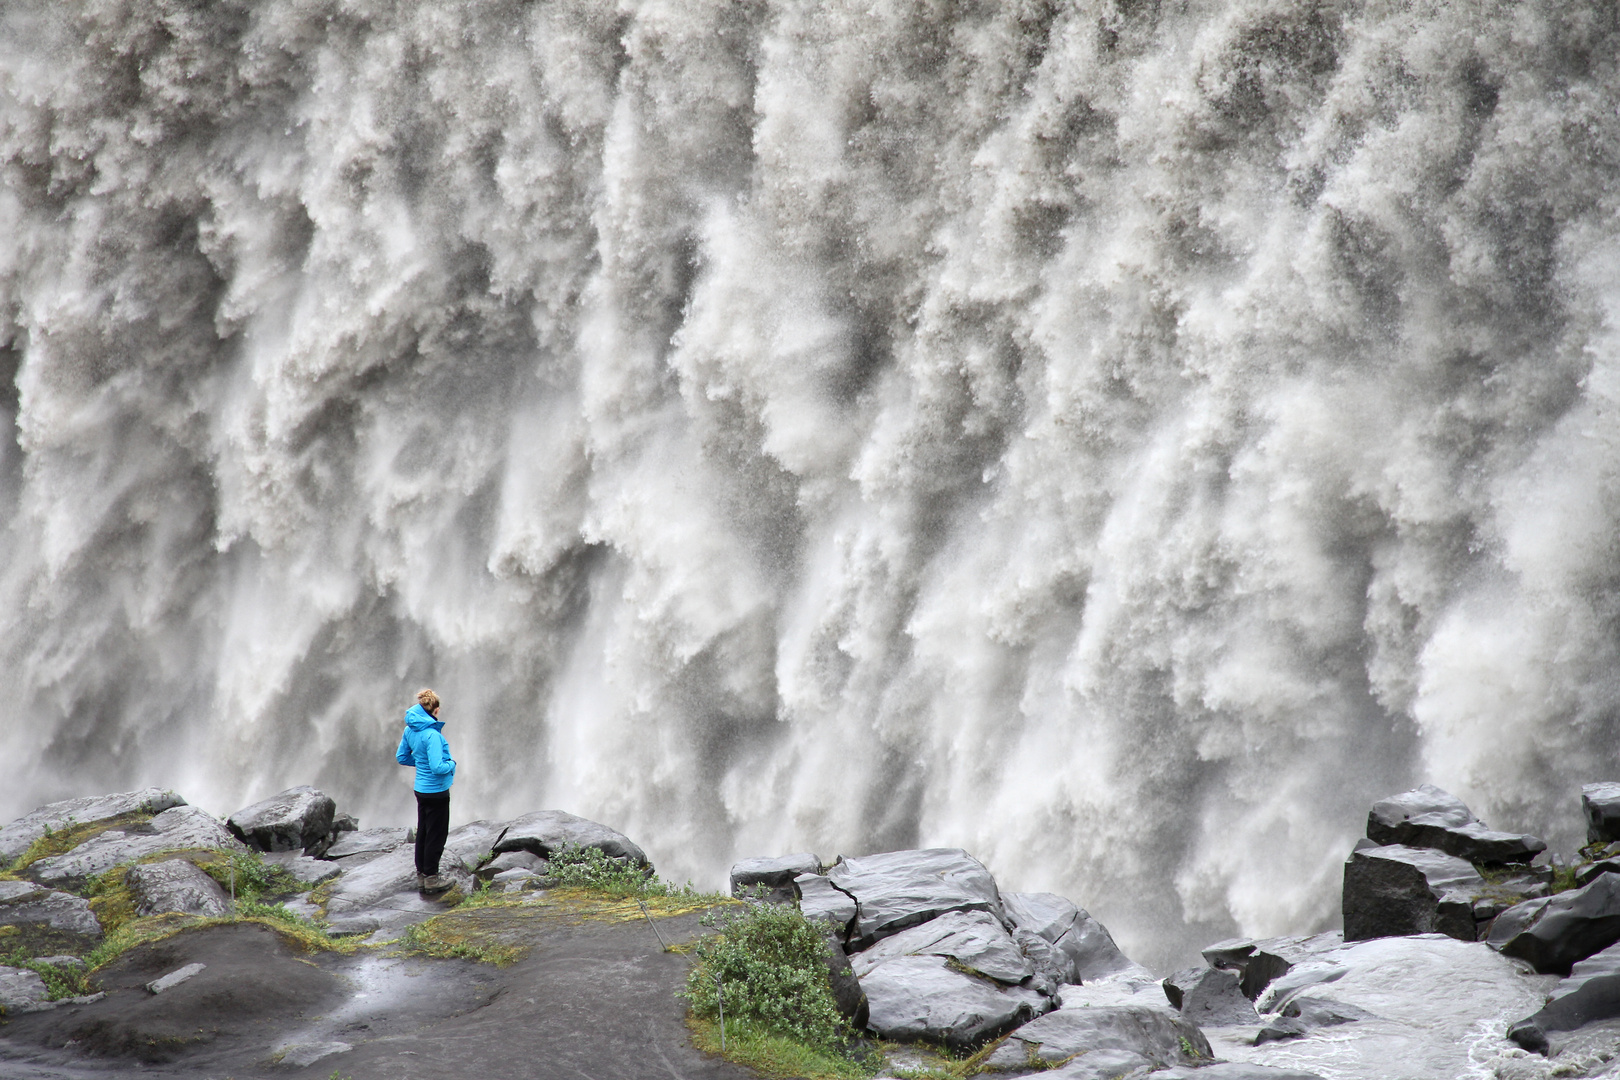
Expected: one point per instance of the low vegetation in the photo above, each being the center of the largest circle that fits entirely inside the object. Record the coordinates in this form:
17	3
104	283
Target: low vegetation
61	841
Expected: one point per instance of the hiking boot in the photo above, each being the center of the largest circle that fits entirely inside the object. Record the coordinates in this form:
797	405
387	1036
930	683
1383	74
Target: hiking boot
436	883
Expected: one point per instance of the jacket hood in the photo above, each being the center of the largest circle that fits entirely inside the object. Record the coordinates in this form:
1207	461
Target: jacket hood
419	719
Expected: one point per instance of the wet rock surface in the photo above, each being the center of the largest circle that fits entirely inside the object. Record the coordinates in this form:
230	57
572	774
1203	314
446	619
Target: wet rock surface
43	920
823	902
1258	961
298	819
547	831
899	889
772	879
1210	997
1428	817
1554	933
1600	806
1156	1034
1590	994
920	997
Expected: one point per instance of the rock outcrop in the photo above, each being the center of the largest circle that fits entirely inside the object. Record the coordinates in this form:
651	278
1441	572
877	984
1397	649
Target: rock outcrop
920	997
1428	817
178	829
1155	1034
1600	805
1397	890
1591	993
1210	997
91	810
298	819
1258	961
1077	948
1556	932
823	902
46	920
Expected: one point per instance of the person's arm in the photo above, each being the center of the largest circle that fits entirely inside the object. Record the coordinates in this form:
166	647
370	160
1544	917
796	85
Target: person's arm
439	760
403	755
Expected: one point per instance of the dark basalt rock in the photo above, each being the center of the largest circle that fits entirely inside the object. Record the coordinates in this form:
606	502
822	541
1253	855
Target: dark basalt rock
367	842
1157	1034
822	901
176	885
1553	934
1591	993
1395	890
846	986
1428	817
1258	961
1600	803
297	819
772	877
54	817
897	889
1210	997
546	831
919	997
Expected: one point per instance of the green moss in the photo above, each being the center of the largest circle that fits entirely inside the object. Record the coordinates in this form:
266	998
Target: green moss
249	875
779	1057
448	937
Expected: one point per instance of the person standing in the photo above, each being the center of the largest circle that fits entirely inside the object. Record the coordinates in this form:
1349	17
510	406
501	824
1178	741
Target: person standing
423	745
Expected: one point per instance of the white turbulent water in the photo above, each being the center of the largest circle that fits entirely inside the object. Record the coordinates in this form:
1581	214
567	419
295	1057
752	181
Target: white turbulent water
1119	438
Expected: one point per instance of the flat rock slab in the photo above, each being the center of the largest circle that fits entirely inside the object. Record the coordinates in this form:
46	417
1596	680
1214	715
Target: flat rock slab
176	885
1554	933
513	860
1600	804
175	978
974	939
306	870
18	835
898	889
1232	1070
1157	1034
300	1055
1398	890
291	820
470	846
177	829
46	918
1101	1065
366	842
547	831
915	998
773	877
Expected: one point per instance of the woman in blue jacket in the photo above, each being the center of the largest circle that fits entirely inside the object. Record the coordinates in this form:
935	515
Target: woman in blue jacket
423	745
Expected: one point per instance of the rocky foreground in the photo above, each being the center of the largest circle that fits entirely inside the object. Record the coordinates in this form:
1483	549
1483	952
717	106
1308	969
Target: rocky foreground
1464	952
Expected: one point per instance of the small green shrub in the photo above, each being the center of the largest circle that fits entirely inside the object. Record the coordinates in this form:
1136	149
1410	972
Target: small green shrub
771	964
591	868
254	878
61	980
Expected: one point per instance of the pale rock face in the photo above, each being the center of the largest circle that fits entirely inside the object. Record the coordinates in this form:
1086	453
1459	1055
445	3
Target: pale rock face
176	885
15	837
175	829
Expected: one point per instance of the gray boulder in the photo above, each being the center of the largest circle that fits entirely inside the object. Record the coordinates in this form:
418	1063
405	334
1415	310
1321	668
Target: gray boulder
297	819
546	831
1554	933
342	823
182	828
45	918
1210	997
1083	950
54	817
366	842
1428	817
1155	1033
1600	804
176	885
308	871
846	986
22	991
1585	875
470	846
516	879
773	877
974	939
822	901
1258	961
1398	890
897	889
914	998
1591	993
512	860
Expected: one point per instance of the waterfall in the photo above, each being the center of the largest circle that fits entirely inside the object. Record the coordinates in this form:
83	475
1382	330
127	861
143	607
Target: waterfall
1122	438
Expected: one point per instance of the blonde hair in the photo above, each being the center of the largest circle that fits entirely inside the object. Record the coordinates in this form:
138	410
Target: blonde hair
428	700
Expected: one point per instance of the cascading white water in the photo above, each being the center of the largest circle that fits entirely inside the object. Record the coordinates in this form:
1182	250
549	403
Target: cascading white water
1119	438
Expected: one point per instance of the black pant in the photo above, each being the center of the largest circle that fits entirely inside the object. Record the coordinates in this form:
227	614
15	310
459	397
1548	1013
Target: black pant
432	826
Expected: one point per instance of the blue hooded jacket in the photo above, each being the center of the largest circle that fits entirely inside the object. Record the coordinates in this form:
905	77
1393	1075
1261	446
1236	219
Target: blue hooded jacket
424	747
